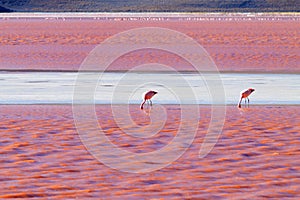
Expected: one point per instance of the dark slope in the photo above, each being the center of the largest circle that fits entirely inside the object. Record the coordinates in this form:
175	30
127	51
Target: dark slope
153	5
4	10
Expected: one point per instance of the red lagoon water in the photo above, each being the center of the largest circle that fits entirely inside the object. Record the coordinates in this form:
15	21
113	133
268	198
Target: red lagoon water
237	45
257	156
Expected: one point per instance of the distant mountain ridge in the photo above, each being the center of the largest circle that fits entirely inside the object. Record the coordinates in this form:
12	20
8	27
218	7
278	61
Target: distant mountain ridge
150	6
3	9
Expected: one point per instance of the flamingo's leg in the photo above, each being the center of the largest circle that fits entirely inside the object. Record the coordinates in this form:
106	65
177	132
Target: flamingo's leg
150	102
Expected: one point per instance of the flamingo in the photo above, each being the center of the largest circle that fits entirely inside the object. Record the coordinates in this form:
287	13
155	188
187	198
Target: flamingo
147	97
244	95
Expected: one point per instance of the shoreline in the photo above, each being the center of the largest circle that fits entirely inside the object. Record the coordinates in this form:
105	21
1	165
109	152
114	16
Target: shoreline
188	16
134	104
145	72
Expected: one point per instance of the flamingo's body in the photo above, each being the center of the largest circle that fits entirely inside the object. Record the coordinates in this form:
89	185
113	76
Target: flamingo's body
147	97
245	95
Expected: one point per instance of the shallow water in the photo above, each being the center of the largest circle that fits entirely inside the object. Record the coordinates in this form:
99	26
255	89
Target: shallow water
257	156
127	88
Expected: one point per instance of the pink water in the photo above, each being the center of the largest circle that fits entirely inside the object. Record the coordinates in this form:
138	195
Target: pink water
257	46
257	156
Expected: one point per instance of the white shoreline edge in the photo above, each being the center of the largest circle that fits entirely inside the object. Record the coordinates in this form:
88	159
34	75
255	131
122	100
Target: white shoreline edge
152	15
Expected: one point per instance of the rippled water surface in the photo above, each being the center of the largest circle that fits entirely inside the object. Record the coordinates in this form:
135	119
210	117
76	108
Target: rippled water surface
256	157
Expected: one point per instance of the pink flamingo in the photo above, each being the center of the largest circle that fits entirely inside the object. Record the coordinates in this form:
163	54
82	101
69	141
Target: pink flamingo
244	95
147	97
